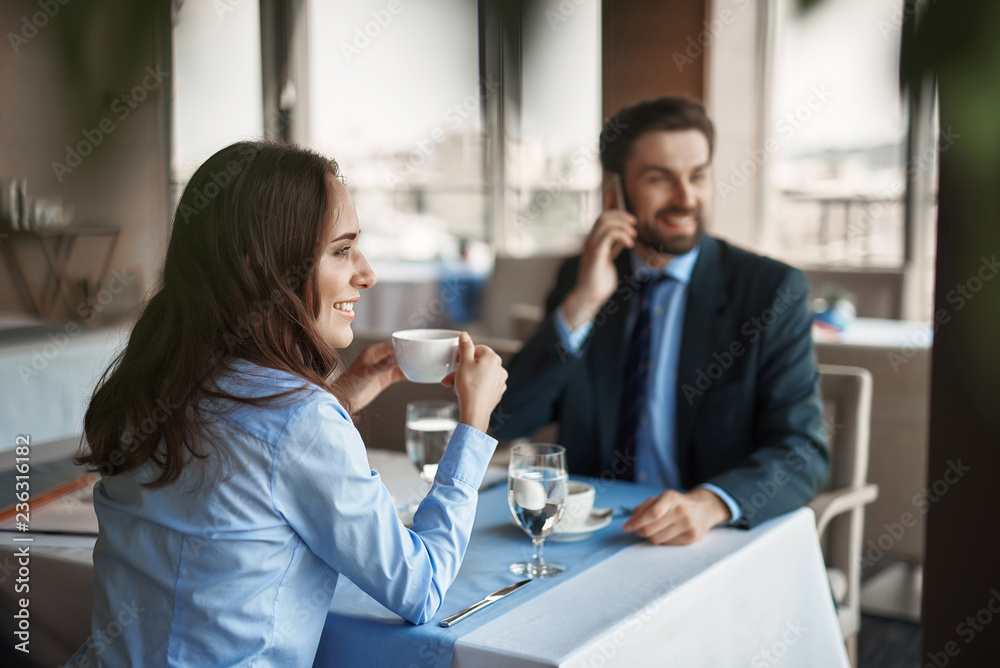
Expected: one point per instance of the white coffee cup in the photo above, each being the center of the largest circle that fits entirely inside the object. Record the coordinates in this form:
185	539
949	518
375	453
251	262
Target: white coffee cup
579	504
426	355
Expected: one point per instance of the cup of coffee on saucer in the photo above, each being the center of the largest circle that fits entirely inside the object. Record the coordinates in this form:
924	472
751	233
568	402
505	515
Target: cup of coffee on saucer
426	355
579	520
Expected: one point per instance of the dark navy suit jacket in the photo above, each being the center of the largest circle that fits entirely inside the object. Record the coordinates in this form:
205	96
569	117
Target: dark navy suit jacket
749	415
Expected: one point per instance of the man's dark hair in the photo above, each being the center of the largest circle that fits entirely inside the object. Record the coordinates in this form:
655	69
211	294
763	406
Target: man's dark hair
672	112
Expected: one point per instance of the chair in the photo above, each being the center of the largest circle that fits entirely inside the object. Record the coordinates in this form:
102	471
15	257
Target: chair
840	509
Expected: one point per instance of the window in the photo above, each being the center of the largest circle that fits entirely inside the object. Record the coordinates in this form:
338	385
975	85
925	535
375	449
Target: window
396	101
398	93
217	82
398	98
838	136
555	172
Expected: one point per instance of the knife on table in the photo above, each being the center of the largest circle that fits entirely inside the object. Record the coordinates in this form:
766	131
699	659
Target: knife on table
492	598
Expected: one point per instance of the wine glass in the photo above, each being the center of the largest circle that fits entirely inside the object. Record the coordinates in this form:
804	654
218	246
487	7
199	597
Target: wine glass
536	493
429	425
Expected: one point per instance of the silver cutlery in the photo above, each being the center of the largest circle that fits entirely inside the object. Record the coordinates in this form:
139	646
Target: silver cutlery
492	598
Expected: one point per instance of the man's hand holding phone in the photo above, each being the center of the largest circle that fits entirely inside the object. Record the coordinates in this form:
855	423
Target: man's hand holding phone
597	278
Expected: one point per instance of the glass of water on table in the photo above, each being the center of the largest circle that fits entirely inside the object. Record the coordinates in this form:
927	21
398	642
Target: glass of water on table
537	484
429	425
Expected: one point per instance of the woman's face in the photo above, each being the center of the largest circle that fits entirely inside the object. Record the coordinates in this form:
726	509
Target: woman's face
342	271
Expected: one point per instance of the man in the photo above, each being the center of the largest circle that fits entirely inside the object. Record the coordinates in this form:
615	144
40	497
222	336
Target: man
671	357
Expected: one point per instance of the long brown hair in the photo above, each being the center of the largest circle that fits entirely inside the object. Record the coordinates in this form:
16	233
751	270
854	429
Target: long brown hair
238	283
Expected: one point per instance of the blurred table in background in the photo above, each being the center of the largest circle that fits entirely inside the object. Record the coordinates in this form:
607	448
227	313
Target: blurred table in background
50	371
412	295
58	288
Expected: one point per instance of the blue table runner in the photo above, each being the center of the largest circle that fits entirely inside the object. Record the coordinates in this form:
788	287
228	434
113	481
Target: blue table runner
360	632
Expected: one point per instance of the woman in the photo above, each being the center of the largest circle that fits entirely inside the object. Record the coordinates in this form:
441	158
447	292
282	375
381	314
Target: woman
235	487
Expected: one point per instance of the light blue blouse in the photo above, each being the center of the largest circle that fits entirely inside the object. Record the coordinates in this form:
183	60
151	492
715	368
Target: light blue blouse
236	563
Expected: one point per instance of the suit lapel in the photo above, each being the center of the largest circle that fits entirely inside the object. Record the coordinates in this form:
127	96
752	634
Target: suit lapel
706	301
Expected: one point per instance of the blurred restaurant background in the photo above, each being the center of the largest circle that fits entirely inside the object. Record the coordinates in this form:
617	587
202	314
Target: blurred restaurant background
467	133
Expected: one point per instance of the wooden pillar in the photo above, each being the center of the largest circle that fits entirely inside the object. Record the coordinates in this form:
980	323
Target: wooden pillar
647	53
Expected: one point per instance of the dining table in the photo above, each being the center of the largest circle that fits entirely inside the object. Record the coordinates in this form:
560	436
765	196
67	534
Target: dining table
757	598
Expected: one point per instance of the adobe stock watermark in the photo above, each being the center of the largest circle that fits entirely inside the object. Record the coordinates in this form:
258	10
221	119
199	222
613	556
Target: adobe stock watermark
451	120
364	34
967	630
554	187
563	11
132	439
307	608
914	166
963	292
452	289
786	126
246	325
122	107
223	7
958	297
202	197
874	550
609	647
796	459
627	287
99	642
30	25
88	310
900	13
774	654
751	330
713	29
430	653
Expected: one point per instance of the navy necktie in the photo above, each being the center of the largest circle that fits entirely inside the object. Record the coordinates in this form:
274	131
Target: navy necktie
636	377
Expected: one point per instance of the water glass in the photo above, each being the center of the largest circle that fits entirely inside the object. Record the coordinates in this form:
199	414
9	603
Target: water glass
537	484
429	425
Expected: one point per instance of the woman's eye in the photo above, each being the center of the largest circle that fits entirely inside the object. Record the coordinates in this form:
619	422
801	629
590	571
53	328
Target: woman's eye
345	251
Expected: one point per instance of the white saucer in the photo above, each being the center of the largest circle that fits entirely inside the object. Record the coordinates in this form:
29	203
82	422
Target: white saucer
584	531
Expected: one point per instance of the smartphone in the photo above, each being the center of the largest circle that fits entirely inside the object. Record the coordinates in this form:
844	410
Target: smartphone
614	185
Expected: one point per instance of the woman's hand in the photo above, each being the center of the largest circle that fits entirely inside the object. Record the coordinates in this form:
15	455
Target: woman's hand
479	383
374	370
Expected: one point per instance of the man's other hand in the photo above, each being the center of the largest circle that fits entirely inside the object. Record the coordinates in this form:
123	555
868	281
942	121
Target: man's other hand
675	518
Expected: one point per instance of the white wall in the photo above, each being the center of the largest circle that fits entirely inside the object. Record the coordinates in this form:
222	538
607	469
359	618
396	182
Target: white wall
734	89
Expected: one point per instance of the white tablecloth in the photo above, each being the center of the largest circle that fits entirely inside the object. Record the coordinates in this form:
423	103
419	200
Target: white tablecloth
739	598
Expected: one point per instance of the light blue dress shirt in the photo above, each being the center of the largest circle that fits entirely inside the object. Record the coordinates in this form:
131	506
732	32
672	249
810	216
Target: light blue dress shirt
656	451
237	565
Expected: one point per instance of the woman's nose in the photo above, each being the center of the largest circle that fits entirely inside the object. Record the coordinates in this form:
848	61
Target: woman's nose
364	276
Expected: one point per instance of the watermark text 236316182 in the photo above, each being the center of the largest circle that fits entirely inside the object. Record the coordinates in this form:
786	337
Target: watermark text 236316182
22	508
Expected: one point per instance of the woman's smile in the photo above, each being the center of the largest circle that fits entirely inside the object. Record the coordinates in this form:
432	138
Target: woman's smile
346	308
